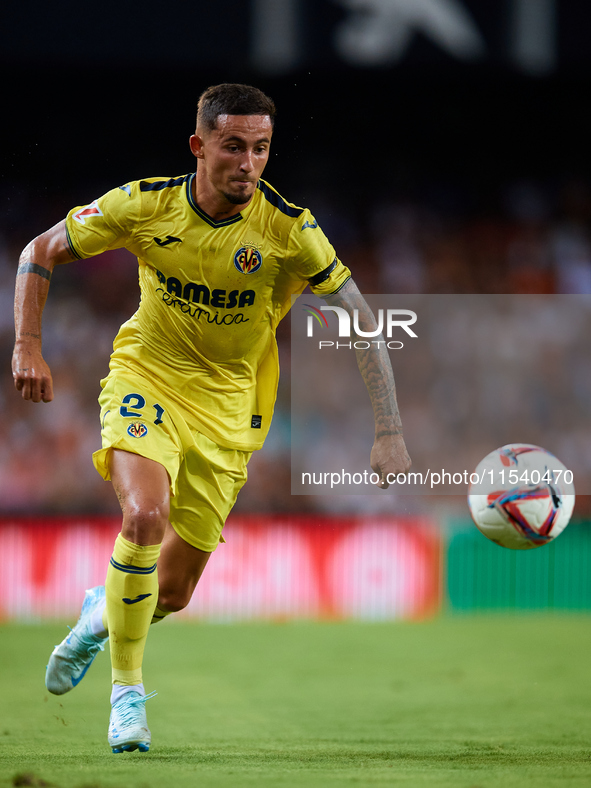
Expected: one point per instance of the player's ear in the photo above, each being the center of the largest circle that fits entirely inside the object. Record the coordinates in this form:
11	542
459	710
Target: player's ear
196	145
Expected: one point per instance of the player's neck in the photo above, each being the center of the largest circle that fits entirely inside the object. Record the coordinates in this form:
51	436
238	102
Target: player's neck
212	203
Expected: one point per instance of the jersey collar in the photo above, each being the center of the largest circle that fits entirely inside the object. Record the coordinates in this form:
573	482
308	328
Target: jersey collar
205	216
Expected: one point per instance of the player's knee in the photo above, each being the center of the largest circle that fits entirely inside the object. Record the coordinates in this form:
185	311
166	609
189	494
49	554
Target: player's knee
173	600
144	523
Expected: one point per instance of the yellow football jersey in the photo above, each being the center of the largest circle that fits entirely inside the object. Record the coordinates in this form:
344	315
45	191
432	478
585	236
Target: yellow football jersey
212	294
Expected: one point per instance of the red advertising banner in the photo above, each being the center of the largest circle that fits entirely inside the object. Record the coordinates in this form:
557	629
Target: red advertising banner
272	567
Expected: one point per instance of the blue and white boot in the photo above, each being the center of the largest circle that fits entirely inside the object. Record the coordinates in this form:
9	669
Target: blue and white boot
128	726
71	659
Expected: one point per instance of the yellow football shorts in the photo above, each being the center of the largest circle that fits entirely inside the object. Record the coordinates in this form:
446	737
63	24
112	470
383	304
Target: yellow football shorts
204	478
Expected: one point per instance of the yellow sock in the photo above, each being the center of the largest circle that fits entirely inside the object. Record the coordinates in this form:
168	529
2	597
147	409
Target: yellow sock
159	614
132	592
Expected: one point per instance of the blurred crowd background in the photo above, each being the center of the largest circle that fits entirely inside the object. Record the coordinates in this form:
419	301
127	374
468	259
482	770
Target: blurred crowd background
442	146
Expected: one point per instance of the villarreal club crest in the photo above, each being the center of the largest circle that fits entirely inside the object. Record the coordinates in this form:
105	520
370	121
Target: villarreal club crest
137	430
248	259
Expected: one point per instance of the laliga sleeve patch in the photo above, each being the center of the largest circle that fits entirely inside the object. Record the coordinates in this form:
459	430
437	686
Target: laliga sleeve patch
84	213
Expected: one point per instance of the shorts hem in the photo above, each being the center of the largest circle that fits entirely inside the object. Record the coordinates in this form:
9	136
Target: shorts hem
189	538
101	461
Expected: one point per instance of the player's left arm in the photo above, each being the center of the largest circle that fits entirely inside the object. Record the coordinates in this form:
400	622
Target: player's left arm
389	454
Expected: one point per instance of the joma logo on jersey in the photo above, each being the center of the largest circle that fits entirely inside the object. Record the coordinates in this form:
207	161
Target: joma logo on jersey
248	260
201	294
90	210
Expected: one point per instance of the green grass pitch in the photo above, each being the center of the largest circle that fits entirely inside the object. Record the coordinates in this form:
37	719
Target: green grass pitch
465	702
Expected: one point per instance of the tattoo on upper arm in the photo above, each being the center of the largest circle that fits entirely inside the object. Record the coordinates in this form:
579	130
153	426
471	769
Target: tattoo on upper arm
69	248
33	268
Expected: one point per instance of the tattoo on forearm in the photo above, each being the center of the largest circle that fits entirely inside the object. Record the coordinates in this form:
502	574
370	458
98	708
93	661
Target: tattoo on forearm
33	268
29	334
379	380
384	433
374	365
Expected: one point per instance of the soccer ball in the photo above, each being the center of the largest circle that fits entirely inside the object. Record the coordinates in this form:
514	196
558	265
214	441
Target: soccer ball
521	496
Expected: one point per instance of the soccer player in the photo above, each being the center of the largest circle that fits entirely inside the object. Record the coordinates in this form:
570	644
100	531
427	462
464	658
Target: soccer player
193	374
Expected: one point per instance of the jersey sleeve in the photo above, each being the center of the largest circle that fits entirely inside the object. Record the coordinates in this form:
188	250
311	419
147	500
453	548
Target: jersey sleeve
314	258
106	223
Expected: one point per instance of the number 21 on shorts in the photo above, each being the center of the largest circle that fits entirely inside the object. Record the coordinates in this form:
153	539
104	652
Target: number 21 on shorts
136	403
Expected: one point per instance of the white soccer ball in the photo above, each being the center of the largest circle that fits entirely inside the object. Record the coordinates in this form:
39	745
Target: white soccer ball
523	496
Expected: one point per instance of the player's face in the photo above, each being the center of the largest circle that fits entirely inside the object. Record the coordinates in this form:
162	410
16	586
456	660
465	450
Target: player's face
233	155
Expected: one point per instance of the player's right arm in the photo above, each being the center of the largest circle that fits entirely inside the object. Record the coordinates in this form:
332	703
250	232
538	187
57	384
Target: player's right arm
31	374
87	230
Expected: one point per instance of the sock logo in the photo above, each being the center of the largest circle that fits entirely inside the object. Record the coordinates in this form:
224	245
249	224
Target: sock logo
137	599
